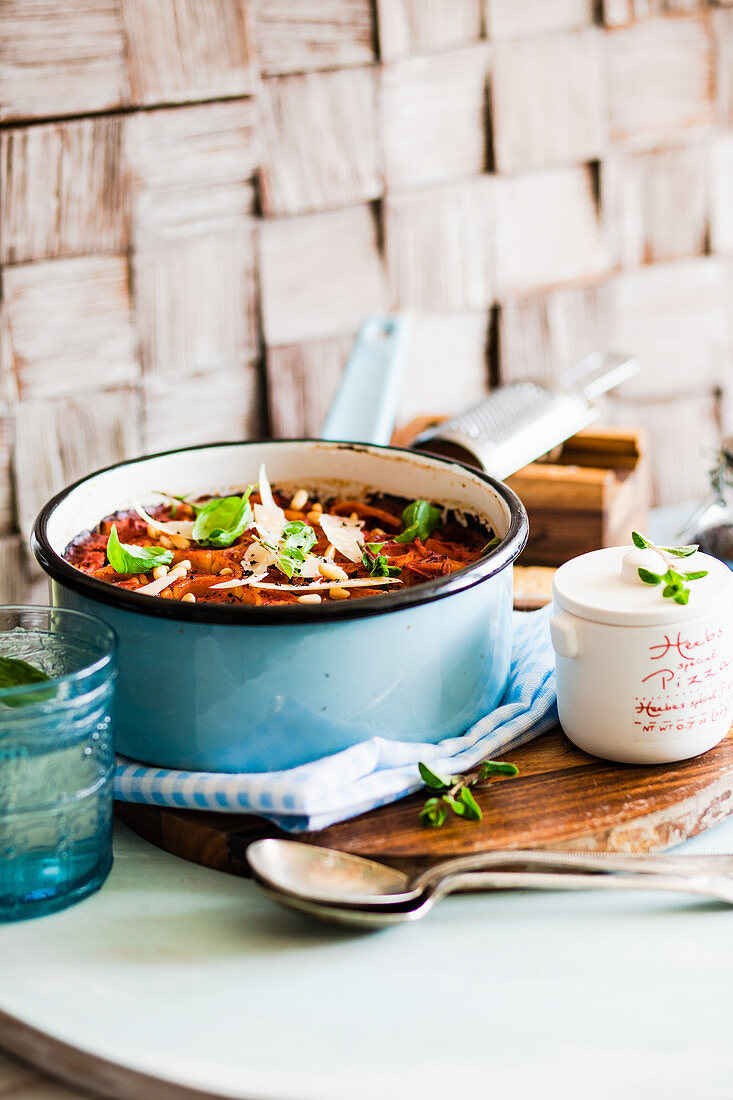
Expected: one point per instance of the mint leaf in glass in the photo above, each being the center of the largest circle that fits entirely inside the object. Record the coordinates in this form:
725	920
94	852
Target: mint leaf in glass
17	673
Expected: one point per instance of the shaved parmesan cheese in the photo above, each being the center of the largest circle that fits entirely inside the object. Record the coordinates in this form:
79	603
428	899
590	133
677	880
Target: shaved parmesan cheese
259	558
344	534
309	568
269	519
183	527
360	582
239	582
155	587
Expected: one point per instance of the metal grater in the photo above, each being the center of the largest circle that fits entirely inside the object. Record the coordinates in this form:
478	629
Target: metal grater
519	422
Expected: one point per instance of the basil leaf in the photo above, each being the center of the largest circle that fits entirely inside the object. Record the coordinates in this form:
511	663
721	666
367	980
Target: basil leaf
490	544
434	813
682	597
220	522
299	538
456	806
431	778
696	576
648	577
378	564
17	673
419	520
128	558
639	541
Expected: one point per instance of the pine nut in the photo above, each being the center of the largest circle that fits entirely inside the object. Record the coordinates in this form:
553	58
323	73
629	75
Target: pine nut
165	541
179	542
332	572
299	501
354	517
177	574
225	572
160	571
310	597
313	517
185	565
338	593
188	598
330	553
152	532
317	507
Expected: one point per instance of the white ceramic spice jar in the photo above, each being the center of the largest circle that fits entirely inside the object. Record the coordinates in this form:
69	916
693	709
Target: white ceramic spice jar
640	678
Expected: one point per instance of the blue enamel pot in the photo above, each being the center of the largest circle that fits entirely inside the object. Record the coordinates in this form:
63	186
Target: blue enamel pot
227	688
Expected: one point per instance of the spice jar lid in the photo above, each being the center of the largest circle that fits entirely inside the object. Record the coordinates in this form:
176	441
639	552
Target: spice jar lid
604	587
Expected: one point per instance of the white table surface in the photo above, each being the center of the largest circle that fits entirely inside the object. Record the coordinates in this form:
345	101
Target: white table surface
193	976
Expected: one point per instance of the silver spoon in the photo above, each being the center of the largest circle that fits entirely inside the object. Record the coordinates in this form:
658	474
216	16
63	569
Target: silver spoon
347	889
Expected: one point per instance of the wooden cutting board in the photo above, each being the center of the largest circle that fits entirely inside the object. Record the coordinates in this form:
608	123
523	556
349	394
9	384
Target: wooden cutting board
562	798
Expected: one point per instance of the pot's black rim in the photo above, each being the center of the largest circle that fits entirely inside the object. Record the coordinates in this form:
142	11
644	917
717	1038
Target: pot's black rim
329	610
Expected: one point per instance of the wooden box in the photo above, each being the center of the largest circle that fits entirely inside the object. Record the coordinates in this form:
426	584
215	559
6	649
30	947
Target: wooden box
592	492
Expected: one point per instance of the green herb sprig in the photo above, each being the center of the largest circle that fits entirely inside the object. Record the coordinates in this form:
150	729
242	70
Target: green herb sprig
298	539
378	564
674	580
454	792
419	520
17	673
128	558
220	522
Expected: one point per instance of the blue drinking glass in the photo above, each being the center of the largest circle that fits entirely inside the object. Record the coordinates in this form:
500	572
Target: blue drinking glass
56	758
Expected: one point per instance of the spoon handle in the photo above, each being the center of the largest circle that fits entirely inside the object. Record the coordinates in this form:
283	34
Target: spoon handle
580	861
715	886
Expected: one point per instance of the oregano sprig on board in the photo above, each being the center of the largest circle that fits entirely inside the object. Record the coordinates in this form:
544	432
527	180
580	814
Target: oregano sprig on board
453	792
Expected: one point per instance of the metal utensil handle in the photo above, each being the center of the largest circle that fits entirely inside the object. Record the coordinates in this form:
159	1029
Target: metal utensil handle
581	861
598	373
365	406
706	885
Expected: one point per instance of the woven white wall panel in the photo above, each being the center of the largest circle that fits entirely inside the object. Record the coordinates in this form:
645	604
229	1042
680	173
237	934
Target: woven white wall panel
547	100
186	50
447	365
63	190
58	441
421	26
542	335
296	36
658	204
723	25
434	117
204	408
722	186
302	380
548	229
676	318
661	80
519	18
440	246
319	141
190	169
196	304
61	57
70	325
320	274
619	13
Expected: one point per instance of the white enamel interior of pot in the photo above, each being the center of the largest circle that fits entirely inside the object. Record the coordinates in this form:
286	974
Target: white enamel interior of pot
314	465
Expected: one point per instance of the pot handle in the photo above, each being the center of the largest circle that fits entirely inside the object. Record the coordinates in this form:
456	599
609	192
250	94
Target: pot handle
365	406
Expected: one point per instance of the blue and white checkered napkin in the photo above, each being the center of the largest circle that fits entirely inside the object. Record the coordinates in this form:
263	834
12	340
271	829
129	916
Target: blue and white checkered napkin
375	772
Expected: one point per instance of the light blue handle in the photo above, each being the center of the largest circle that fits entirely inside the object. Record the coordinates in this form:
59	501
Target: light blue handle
365	406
